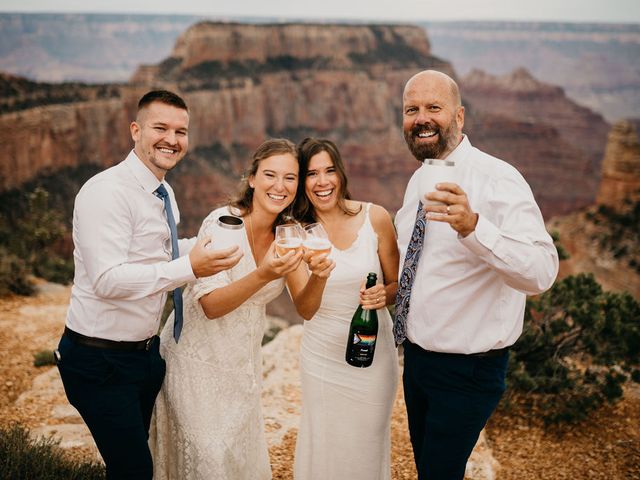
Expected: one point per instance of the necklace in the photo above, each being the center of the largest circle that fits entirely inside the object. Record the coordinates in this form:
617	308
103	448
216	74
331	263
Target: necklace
253	241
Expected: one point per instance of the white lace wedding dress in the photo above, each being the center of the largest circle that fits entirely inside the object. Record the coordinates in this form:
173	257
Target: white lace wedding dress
208	422
346	411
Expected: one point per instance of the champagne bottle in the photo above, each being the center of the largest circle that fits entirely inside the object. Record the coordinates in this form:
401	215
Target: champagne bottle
361	343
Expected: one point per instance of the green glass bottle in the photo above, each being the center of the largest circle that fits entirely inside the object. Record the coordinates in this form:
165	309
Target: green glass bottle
361	343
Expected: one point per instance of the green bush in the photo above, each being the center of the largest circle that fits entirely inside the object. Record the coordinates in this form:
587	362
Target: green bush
30	229
38	228
22	458
54	269
14	275
43	358
621	230
562	253
579	346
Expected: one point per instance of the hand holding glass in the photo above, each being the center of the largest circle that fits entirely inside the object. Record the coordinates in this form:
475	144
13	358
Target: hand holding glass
226	232
288	237
317	240
432	172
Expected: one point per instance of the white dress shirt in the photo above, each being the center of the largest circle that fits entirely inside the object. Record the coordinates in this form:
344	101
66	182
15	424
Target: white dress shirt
122	254
469	293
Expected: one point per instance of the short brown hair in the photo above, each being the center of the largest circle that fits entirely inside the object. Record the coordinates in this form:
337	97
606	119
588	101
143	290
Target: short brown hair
162	96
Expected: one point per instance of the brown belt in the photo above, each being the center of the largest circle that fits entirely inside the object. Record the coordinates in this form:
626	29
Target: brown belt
106	344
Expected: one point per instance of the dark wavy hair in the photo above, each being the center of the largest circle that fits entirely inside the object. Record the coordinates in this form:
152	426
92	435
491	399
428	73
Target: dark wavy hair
307	148
243	198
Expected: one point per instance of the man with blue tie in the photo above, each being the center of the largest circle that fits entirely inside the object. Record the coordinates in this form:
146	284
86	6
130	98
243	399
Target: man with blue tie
127	257
469	263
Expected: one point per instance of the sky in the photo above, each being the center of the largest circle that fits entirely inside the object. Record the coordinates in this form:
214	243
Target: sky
597	11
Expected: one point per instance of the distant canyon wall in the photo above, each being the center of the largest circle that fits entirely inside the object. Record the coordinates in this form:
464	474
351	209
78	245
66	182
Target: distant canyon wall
44	139
556	144
245	83
597	64
621	165
604	239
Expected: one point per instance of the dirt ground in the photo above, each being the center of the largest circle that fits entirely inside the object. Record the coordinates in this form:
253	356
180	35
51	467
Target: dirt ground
606	446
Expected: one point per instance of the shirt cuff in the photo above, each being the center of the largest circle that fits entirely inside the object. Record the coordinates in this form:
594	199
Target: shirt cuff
180	270
483	239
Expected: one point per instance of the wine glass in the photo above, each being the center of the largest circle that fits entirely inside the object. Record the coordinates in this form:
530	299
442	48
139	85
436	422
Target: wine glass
317	240
288	237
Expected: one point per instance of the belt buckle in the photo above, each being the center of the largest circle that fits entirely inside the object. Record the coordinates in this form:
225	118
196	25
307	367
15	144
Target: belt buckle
147	344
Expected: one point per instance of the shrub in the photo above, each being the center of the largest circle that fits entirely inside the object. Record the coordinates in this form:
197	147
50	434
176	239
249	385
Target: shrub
578	347
14	275
562	253
29	231
22	458
54	269
620	230
38	228
43	358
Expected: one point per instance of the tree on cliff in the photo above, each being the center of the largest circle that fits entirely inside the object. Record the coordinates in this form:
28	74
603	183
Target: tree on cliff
29	233
579	346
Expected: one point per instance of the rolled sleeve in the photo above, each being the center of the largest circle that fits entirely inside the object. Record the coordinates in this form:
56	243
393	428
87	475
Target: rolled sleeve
513	239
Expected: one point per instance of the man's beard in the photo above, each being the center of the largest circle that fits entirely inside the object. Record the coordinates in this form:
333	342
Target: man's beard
445	143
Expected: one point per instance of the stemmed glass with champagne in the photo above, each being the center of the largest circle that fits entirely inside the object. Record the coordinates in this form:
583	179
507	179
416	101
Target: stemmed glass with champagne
289	237
316	240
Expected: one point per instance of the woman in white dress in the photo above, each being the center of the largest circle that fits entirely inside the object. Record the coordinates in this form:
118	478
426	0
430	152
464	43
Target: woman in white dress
208	420
346	411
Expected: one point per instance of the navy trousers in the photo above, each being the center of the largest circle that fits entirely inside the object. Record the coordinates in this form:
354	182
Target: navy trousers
115	391
449	399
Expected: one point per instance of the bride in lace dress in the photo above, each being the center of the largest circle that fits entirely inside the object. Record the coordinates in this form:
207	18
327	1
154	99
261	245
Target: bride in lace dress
208	420
346	411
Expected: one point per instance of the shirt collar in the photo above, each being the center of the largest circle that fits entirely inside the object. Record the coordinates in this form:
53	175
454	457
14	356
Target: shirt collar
145	177
460	153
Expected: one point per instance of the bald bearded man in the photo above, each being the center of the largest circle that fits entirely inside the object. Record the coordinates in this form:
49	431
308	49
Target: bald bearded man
469	263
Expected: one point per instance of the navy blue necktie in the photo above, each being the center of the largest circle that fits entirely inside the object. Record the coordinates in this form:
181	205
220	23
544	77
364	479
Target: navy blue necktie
407	276
162	193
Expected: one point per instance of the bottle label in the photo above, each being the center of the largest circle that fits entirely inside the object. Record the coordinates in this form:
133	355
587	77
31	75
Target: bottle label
364	340
362	348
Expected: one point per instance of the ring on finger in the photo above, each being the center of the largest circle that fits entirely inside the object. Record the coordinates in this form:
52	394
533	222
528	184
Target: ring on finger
448	209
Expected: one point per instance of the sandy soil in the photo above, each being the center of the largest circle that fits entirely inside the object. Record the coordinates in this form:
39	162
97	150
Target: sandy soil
607	446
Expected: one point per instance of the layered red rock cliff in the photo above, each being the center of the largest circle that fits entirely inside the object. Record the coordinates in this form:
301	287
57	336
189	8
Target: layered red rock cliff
604	239
556	144
621	165
245	83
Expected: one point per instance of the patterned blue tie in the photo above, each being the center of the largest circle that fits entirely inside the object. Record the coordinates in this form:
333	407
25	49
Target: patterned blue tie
403	296
162	193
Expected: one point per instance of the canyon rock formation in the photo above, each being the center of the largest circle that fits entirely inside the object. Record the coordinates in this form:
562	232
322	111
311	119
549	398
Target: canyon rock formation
605	239
621	165
596	64
245	83
553	141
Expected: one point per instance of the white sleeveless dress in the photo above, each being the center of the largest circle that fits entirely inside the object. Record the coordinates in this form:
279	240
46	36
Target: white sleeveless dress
208	421
346	411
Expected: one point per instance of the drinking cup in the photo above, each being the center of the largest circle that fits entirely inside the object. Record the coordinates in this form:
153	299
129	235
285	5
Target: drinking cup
317	240
432	172
288	237
226	232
